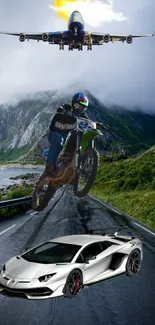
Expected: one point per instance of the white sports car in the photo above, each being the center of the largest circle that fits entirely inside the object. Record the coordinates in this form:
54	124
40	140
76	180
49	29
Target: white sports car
64	265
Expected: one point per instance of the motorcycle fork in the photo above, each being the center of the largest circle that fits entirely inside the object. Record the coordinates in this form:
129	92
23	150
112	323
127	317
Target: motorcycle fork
78	150
93	143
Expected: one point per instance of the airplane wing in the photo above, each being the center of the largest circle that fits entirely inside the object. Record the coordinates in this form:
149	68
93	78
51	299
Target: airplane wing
51	37
99	39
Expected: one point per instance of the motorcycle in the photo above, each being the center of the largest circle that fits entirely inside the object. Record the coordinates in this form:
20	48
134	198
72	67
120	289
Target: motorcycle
80	171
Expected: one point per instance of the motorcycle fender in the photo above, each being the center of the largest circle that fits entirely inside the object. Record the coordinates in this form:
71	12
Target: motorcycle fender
87	137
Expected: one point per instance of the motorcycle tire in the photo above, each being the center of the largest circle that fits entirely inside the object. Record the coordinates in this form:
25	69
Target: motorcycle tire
94	154
40	204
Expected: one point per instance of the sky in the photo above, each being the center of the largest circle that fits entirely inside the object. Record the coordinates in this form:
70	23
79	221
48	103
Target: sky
118	73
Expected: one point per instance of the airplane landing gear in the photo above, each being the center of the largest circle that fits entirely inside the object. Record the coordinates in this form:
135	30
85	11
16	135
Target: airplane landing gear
89	47
70	47
80	47
61	46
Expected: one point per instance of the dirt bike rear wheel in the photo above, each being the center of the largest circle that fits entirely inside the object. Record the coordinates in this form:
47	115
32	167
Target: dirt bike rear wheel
90	152
42	194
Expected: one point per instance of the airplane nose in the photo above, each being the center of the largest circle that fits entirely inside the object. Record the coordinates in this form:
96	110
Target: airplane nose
77	14
75	17
76	11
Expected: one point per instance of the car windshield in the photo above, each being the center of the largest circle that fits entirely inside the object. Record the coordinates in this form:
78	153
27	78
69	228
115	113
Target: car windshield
49	252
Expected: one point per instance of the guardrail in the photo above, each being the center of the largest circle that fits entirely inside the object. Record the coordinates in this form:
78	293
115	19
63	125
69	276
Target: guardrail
15	202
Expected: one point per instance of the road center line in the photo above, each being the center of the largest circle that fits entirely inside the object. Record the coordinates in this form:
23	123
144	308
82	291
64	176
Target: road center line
1	233
152	233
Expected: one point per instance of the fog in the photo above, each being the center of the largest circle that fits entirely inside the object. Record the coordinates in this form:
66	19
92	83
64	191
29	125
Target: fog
116	73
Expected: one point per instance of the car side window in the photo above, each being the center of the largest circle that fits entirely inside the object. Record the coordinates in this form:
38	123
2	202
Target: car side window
106	244
79	259
91	250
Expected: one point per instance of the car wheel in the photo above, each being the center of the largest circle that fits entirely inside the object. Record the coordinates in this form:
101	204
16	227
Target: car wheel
133	263
74	284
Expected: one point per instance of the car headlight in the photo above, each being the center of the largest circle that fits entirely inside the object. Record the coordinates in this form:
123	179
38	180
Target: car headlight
3	269
45	278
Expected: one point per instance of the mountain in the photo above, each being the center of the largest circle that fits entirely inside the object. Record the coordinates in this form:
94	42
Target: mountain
129	185
23	122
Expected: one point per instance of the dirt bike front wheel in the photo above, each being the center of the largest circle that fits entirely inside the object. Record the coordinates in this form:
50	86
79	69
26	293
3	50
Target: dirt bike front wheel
88	171
42	194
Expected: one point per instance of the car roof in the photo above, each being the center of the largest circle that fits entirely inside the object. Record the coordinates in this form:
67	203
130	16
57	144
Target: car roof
80	240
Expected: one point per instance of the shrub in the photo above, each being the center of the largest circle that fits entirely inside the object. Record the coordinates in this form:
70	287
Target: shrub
16	193
130	183
145	174
19	192
153	184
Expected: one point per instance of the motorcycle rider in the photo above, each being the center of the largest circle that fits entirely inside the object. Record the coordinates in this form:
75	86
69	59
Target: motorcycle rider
62	123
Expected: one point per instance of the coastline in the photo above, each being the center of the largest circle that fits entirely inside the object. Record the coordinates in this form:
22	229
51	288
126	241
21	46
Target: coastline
19	183
21	166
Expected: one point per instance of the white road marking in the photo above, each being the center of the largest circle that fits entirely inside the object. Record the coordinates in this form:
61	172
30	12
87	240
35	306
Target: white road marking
152	233
33	213
1	233
116	211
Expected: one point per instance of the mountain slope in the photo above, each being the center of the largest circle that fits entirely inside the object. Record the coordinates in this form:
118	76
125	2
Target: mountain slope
22	124
129	185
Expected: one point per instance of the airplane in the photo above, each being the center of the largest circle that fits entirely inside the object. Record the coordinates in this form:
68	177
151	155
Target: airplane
76	37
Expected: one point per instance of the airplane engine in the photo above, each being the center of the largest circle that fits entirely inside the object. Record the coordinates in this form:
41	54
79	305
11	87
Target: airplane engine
106	38
129	39
22	37
45	37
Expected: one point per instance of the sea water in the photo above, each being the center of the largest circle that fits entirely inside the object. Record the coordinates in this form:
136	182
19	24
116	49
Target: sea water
6	173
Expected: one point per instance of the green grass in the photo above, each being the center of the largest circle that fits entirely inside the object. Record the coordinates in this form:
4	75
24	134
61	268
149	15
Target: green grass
129	185
19	192
23	156
33	157
13	194
11	155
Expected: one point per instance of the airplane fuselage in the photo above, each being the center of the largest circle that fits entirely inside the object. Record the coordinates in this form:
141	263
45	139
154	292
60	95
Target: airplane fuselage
75	37
76	27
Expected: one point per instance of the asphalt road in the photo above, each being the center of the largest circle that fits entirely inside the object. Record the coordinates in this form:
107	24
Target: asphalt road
122	300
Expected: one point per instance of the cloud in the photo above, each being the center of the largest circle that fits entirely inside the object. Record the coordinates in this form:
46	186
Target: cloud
118	73
95	13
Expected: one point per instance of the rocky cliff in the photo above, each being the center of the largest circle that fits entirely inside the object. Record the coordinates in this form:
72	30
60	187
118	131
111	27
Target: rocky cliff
23	122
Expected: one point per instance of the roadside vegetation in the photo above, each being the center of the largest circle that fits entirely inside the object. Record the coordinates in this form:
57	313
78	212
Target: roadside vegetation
126	183
129	185
13	194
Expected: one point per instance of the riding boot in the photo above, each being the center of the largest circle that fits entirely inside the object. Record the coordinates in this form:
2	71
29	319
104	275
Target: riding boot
64	160
48	170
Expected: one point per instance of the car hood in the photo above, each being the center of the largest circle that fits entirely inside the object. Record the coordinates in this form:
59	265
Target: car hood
22	269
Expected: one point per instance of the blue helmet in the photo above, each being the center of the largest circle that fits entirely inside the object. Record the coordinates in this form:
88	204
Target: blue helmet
79	103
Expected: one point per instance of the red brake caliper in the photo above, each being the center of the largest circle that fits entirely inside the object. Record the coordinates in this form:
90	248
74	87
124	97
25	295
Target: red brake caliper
77	284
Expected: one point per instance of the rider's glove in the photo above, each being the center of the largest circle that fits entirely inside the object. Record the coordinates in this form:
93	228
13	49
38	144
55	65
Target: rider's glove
66	108
60	109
